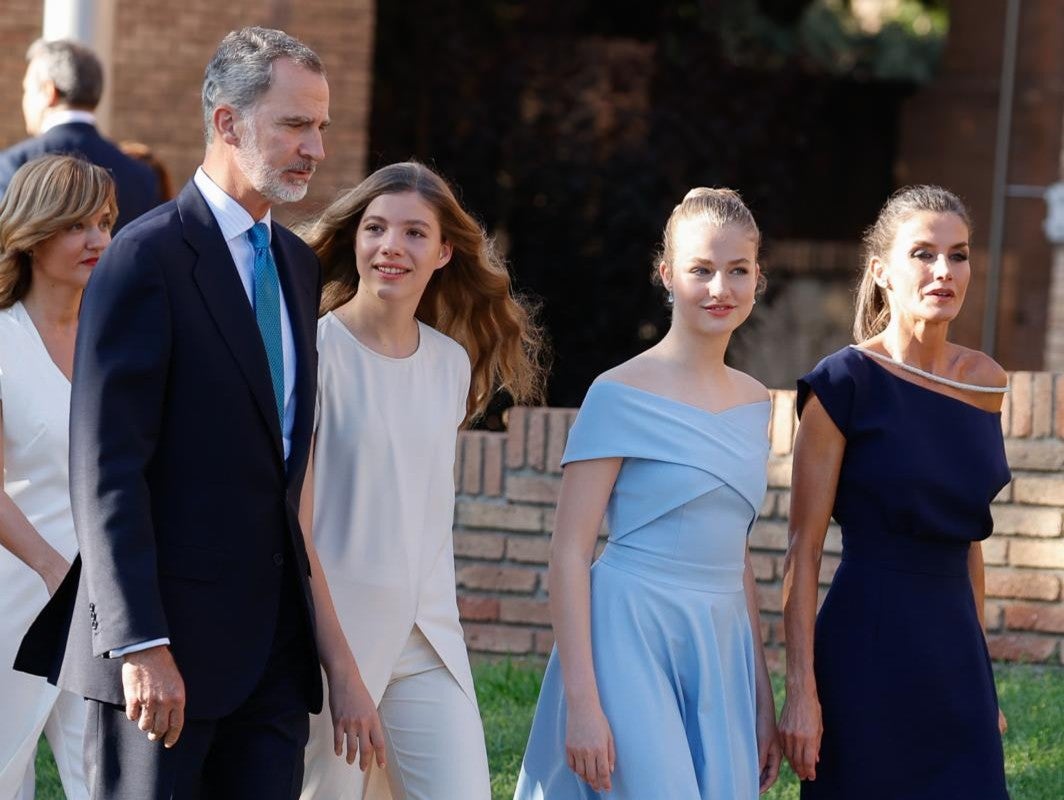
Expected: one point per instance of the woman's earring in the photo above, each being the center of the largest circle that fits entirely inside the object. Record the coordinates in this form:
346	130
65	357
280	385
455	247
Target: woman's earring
669	298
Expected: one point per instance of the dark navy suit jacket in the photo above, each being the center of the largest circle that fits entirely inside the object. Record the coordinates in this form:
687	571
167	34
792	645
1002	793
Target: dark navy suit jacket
184	506
135	183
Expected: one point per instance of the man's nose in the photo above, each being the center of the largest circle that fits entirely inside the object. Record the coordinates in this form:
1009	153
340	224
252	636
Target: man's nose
313	146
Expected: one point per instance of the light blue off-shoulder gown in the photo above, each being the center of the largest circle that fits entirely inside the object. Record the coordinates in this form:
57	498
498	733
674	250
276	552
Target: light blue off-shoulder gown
670	635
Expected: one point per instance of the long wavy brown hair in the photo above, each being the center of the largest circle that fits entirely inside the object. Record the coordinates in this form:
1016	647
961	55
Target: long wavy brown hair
472	299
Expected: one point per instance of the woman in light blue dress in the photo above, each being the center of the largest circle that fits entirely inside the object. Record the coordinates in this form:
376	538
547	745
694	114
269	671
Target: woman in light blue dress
658	687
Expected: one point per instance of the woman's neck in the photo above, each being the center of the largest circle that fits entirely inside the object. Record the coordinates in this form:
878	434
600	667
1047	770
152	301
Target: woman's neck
53	307
389	328
918	344
698	355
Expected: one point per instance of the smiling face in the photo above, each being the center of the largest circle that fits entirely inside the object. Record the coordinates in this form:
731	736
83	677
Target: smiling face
713	276
926	272
280	139
67	258
399	246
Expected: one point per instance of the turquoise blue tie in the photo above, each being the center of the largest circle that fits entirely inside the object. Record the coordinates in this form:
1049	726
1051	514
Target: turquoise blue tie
267	303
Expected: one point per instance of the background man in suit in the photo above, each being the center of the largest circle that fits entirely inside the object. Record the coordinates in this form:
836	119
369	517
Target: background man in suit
191	418
62	87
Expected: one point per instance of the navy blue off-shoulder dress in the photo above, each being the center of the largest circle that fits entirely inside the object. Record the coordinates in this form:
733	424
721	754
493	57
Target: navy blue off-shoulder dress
902	669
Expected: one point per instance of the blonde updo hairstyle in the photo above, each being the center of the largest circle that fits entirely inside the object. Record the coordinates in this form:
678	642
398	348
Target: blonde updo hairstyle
872	312
45	197
471	299
718	207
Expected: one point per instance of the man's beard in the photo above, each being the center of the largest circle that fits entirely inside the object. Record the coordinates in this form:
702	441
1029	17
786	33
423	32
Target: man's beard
269	181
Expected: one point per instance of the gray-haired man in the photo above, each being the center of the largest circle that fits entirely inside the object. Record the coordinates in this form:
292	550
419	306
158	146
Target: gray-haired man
60	91
192	408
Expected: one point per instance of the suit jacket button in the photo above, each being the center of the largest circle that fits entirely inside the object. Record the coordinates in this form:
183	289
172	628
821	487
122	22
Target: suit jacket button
278	559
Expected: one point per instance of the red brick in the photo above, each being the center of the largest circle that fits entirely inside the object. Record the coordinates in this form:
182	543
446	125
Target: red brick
1059	413
493	469
472	444
533	489
993	616
478	609
523	610
1042	411
471	514
1005	495
770	597
1048	554
764	566
1022	584
1021	647
1035	617
479	545
1027	520
782	425
768	535
528	549
783	506
1041	490
776	659
516	426
779	472
828	565
494	578
1022	405
768	505
995	550
1040	454
779	632
544	642
557	432
536	440
833	540
485	638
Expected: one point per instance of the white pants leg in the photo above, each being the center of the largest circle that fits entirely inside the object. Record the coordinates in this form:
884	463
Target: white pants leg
433	735
65	729
432	730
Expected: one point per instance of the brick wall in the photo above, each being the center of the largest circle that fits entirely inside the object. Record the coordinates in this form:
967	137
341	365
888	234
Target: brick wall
508	485
161	50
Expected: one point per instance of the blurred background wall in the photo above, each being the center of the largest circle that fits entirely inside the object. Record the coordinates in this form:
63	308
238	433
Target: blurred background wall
572	128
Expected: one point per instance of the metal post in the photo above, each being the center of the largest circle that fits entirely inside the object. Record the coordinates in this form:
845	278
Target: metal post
90	22
1001	172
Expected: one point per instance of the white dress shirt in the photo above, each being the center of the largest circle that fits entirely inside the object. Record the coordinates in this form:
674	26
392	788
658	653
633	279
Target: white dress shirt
65	116
235	222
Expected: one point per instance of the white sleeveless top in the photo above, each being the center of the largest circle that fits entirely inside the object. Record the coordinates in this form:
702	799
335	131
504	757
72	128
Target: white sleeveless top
384	490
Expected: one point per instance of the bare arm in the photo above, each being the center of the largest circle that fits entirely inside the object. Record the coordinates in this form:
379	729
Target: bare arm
20	538
768	747
818	451
977	575
585	491
353	711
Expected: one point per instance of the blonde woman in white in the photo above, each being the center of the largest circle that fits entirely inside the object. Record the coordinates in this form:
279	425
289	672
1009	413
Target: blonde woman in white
55	221
421	328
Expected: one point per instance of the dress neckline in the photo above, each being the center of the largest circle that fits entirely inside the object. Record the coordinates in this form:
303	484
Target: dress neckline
24	319
365	347
691	406
881	367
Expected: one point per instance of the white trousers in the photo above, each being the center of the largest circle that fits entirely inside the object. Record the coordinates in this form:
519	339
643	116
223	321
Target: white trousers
20	729
433	737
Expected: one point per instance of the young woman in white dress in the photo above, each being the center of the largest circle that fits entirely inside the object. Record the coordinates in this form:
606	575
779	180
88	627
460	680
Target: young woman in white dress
421	328
55	221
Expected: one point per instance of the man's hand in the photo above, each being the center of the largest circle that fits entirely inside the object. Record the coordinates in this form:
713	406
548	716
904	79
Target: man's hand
155	693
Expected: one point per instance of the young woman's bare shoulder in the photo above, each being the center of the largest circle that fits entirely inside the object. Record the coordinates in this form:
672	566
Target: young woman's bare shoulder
640	372
751	389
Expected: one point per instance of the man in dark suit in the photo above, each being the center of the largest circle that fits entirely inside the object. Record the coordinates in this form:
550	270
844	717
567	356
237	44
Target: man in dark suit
191	417
62	87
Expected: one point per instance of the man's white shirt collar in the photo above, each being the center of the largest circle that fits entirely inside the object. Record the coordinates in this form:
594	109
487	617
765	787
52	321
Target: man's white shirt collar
233	218
64	116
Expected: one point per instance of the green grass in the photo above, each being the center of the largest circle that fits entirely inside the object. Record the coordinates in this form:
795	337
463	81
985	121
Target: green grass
1033	699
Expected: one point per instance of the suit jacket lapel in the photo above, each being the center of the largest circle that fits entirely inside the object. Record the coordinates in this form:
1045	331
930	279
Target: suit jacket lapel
216	276
300	299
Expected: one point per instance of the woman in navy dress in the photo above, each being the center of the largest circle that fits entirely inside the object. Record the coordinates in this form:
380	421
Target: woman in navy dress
891	695
658	687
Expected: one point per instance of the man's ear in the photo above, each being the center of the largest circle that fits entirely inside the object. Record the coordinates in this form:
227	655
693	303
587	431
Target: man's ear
225	121
51	94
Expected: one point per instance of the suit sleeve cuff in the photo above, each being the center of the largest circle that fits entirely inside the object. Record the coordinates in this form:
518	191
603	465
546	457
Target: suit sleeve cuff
118	652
